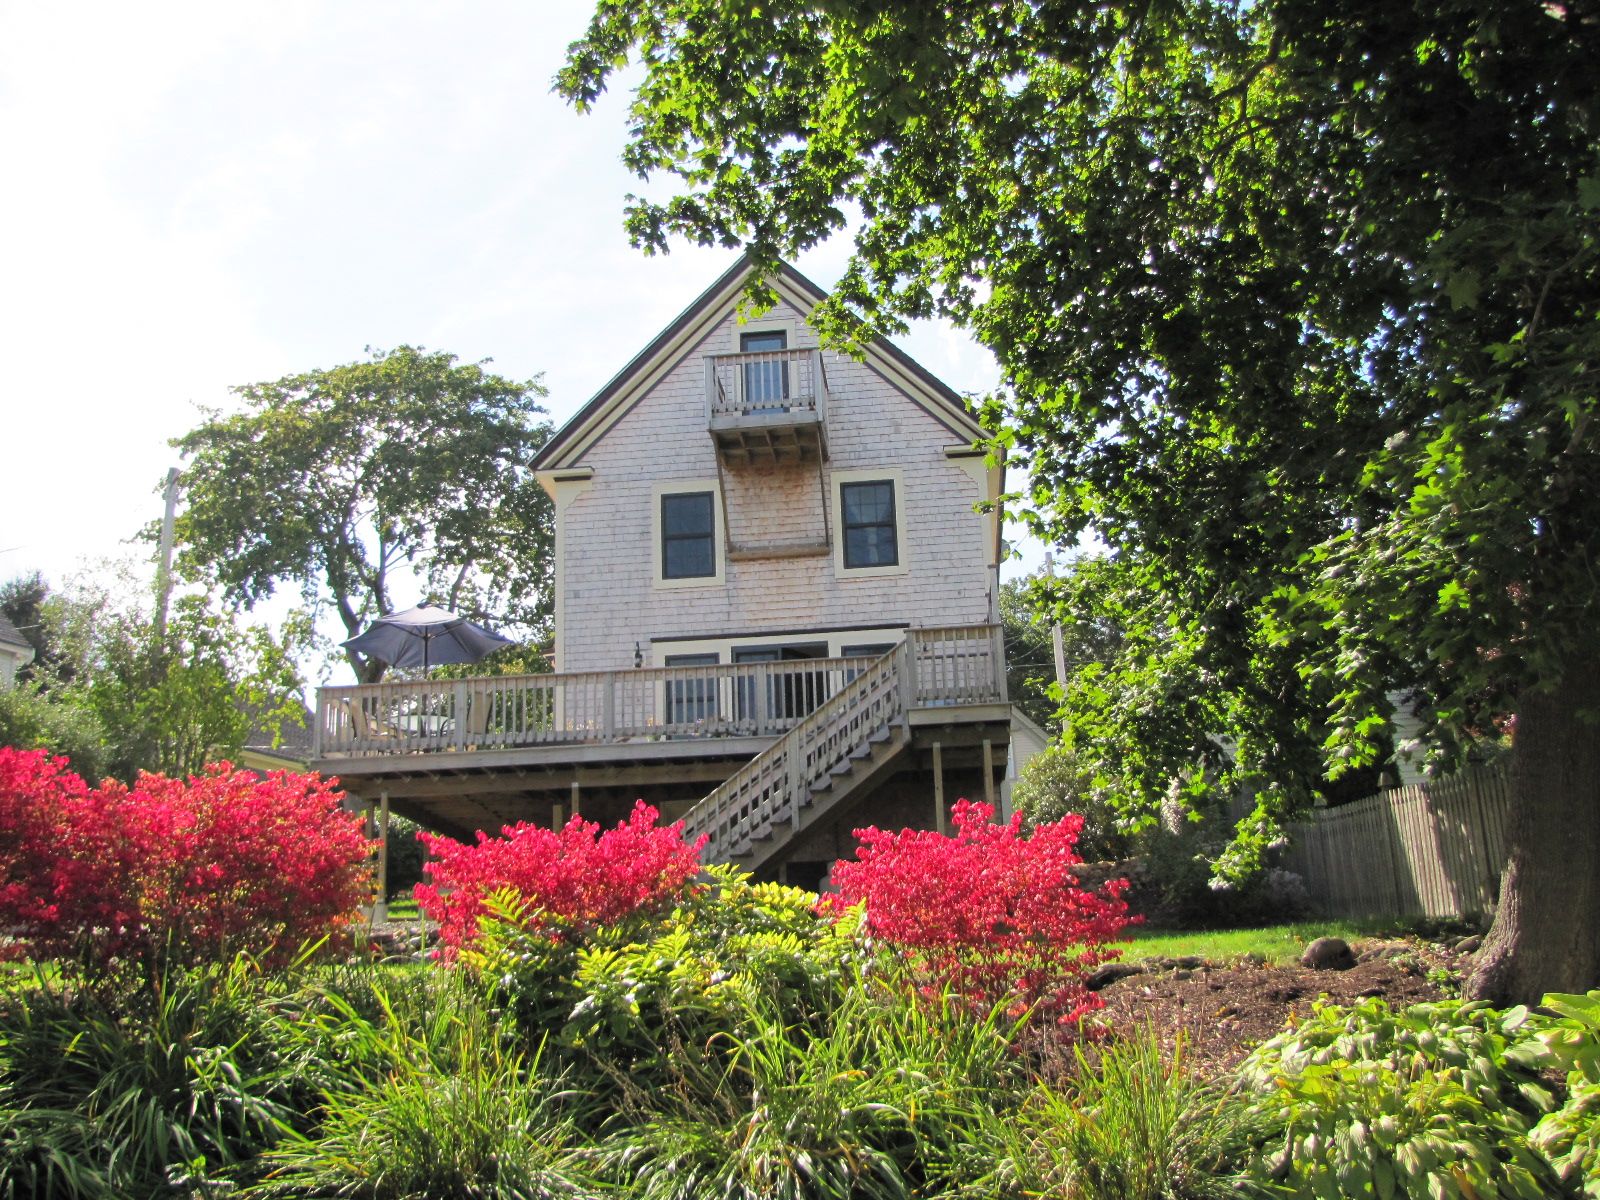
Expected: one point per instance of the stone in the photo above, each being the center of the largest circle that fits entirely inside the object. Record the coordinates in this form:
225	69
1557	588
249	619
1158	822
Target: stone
1469	945
1328	954
1108	973
1189	962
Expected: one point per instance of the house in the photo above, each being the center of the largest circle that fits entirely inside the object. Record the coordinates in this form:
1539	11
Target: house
16	652
775	609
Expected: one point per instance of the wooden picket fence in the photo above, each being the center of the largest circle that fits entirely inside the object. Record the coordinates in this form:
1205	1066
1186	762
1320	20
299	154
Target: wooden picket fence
1435	849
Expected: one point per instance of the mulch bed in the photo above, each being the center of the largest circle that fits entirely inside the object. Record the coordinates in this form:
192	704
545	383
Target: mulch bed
1224	1010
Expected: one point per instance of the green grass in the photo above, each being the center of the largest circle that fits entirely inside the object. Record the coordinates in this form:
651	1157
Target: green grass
403	908
1280	944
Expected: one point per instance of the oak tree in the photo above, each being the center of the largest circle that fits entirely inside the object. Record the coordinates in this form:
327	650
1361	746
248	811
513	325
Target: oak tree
1296	306
408	471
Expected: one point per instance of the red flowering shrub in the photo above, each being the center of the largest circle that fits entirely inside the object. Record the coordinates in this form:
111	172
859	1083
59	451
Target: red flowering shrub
579	874
995	915
172	870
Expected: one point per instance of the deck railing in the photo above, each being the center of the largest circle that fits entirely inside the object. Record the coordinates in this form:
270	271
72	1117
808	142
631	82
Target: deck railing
962	665
766	383
760	699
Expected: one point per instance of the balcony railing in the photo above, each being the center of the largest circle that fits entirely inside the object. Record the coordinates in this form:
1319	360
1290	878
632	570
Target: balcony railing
767	384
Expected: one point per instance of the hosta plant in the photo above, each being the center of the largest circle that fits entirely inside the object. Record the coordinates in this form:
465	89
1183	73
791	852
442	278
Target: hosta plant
1570	1136
1435	1101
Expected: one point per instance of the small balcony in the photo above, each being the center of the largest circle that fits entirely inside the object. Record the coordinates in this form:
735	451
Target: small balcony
767	407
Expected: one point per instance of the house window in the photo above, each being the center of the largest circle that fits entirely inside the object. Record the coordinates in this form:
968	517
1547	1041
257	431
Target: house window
766	382
693	699
688	536
869	525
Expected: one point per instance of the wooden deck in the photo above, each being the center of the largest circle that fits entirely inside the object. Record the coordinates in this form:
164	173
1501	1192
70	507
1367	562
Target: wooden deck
731	744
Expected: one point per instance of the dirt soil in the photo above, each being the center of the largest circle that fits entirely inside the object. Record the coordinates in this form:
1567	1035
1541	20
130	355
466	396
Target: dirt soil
1226	1009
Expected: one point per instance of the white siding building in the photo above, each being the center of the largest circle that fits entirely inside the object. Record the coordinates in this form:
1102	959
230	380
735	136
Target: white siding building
775	609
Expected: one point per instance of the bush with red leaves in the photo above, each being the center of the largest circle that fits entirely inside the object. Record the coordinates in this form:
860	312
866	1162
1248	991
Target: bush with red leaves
988	912
170	870
579	875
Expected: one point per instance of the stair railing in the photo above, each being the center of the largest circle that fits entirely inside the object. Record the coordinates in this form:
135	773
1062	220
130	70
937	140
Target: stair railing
776	783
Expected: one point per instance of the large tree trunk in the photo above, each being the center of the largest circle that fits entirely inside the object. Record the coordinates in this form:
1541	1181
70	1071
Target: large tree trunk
1546	932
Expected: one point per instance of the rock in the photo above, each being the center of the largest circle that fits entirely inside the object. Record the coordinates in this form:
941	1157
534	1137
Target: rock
1328	954
1183	973
1374	951
1189	962
1469	945
1108	973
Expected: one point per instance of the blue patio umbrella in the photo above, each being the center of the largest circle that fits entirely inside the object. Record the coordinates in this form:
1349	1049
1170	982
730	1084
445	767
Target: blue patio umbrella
425	637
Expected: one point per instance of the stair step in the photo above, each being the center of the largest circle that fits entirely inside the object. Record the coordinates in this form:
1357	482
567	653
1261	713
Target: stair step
878	736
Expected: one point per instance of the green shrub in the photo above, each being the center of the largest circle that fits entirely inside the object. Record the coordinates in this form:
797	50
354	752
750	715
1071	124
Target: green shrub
1133	1124
1183	892
1570	1136
184	1084
452	1108
1436	1101
891	1098
627	997
30	719
1058	782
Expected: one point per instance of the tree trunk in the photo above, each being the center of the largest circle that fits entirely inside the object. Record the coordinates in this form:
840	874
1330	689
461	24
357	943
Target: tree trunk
1546	932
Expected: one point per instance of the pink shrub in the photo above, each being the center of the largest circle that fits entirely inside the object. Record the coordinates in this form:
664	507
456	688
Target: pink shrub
577	874
170	869
987	911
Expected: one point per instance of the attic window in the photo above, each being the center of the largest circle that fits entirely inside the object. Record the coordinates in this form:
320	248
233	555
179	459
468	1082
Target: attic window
688	536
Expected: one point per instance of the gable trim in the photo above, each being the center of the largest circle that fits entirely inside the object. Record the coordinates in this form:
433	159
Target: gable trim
645	369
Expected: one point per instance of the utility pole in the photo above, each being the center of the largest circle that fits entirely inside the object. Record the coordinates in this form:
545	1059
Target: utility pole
1056	641
164	567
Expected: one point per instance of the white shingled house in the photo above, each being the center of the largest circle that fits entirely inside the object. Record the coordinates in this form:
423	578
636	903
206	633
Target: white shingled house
775	609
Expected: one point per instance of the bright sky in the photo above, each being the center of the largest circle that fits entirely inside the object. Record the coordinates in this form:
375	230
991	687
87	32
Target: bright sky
205	194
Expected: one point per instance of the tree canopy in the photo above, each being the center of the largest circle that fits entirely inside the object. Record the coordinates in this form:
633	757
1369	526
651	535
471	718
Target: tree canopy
1296	308
333	481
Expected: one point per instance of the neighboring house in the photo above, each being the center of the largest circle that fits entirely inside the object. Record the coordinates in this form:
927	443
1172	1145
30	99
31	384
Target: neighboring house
775	608
15	652
276	745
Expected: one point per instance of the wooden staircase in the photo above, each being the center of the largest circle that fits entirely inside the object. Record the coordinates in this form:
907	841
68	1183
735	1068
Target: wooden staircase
844	747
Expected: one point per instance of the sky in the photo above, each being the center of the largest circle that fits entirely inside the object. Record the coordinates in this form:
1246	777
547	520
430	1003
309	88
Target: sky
201	195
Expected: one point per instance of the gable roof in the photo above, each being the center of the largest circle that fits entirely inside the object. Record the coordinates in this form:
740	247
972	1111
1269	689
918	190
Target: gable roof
9	636
668	348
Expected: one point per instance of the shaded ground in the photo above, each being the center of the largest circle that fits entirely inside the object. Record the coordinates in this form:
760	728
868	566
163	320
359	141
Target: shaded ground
1225	1009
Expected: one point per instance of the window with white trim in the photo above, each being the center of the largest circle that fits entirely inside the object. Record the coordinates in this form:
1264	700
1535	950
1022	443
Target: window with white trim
688	535
870	538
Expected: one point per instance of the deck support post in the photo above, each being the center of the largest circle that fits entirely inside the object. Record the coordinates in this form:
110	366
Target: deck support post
988	776
576	810
380	906
941	818
558	816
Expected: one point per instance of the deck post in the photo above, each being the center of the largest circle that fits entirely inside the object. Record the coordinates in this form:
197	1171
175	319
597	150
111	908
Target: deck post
459	702
797	783
941	819
997	661
908	671
988	776
380	906
576	811
608	709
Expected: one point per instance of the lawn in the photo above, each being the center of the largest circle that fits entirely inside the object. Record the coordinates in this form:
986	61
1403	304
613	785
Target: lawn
1278	944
